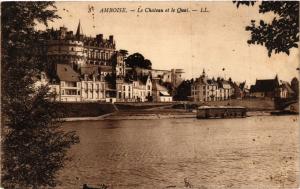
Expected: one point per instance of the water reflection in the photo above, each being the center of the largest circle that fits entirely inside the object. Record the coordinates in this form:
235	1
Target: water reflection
237	153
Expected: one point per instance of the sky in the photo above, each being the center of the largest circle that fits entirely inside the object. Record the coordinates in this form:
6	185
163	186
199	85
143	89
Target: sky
192	40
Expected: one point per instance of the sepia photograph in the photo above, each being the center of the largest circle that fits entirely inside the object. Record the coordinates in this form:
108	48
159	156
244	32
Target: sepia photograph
150	95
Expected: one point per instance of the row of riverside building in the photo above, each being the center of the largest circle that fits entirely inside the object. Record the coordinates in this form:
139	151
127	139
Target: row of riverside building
206	89
81	68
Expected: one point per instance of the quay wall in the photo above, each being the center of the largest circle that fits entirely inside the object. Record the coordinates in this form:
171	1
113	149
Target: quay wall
87	109
254	104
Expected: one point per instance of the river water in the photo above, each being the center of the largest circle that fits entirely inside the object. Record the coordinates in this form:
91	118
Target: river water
255	152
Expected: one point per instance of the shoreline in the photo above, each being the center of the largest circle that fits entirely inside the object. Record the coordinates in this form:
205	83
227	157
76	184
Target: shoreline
152	115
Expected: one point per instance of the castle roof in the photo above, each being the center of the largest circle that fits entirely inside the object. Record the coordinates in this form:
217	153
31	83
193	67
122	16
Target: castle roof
66	73
79	31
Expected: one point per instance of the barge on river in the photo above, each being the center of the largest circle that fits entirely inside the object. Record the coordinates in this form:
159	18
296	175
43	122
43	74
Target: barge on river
205	112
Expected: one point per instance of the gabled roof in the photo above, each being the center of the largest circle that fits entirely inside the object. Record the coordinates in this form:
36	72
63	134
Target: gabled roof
224	84
265	85
242	85
66	73
157	87
164	93
286	85
143	79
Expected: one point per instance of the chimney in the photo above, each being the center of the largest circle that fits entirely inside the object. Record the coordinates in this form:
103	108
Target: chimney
99	38
111	38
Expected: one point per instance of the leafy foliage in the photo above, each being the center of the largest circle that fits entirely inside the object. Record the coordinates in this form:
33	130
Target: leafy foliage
123	52
34	144
282	33
138	60
248	3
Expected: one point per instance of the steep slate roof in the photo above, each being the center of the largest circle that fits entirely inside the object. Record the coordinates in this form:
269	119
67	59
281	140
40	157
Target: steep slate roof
265	85
66	73
156	86
143	79
242	85
286	85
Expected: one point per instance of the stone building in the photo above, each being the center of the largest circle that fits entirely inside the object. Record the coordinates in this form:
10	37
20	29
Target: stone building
142	89
173	76
93	63
285	90
265	88
206	89
137	90
160	93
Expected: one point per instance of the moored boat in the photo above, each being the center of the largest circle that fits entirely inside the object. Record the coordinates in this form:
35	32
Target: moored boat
205	112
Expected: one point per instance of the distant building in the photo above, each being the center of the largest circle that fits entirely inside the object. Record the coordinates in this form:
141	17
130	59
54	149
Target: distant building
160	93
285	90
265	88
83	68
142	89
204	89
239	90
295	86
64	46
225	90
138	90
89	86
173	76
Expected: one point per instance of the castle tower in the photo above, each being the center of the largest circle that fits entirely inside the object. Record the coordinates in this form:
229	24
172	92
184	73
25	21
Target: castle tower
120	65
79	32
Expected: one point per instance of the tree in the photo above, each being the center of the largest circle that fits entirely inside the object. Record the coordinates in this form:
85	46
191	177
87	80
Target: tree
34	145
138	60
123	52
282	33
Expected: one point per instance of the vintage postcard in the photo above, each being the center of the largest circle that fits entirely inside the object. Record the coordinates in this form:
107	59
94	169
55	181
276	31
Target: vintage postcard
187	94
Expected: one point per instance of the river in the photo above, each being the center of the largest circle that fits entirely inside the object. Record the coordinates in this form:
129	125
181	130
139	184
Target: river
254	152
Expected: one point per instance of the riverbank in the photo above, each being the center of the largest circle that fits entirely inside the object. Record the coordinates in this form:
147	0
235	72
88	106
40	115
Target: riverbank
150	111
153	114
88	110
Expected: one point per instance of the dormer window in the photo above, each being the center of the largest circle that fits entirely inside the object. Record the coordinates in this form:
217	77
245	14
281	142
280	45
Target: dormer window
85	77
